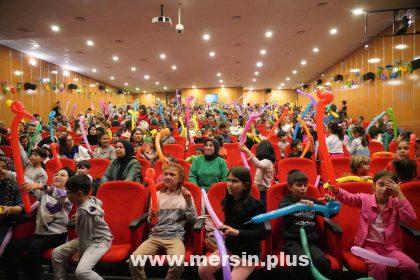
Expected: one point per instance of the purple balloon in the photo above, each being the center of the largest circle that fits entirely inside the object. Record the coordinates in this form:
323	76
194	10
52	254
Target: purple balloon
224	258
372	256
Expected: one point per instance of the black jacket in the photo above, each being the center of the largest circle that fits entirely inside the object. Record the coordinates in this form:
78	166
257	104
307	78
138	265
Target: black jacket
250	235
293	222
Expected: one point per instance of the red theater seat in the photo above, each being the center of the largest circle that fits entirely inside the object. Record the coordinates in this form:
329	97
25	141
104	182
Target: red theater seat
378	164
307	166
98	167
341	166
175	150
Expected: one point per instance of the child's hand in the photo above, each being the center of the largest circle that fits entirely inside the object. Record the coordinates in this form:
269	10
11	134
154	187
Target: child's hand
76	256
332	188
244	149
307	202
186	194
227	230
393	187
327	198
29	186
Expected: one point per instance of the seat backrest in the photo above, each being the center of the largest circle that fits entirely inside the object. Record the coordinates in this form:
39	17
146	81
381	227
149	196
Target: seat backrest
144	165
418	167
392	147
98	167
78	140
175	150
159	168
216	194
195	192
275	147
180	140
7	150
411	190
233	154
350	225
379	163
191	149
51	167
341	167
307	166
114	129
375	146
274	139
275	195
123	201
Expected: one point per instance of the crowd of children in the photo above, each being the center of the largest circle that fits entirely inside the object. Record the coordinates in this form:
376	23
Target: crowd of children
114	136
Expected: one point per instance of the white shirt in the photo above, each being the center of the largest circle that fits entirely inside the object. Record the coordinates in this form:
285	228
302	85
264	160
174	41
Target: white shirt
334	144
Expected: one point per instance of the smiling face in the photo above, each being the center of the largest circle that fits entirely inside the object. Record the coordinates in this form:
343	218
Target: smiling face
104	140
209	148
3	166
60	179
138	136
92	130
119	150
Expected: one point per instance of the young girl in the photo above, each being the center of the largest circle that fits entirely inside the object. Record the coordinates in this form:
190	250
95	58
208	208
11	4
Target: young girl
402	152
264	163
359	144
149	151
239	207
104	149
335	140
50	230
359	166
405	170
380	216
282	142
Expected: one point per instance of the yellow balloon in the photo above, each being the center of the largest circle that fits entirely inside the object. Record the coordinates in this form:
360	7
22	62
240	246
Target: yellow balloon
9	102
350	179
1	210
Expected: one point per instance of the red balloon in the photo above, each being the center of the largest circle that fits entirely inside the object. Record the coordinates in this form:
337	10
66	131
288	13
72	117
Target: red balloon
150	174
55	156
412	146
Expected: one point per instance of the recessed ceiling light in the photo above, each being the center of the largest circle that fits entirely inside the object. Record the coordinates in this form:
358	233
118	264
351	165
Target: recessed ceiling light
112	78
206	37
357	11
401	46
294	72
263	51
287	79
137	89
333	31
115	58
165	88
144	91
282	84
193	86
259	64
278	87
66	73
218	74
89	43
126	84
315	50
146	77
254	80
133	68
174	67
162	56
354	70
221	81
55	28
252	88
374	60
212	53
35	45
223	86
75	79
268	34
54	72
92	85
303	62
18	73
157	83
256	73
32	62
93	70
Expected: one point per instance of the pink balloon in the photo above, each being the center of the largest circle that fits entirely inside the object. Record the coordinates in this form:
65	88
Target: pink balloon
188	101
223	254
372	256
6	241
210	210
83	131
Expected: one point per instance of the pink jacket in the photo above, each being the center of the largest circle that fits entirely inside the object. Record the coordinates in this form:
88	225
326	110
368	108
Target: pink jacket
396	211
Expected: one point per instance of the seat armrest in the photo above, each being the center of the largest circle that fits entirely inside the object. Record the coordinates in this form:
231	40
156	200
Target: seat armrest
336	229
136	223
199	224
412	232
198	236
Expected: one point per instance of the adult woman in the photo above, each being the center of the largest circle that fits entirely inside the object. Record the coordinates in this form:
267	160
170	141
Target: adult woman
136	139
125	166
210	168
69	150
92	135
104	149
241	240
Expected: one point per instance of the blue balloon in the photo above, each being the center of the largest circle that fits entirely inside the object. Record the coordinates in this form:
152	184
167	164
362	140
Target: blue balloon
331	208
307	110
375	119
51	116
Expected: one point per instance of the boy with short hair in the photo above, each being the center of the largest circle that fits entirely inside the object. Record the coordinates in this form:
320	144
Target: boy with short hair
94	236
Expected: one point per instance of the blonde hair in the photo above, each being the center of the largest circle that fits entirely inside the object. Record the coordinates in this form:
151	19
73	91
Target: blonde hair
357	161
179	168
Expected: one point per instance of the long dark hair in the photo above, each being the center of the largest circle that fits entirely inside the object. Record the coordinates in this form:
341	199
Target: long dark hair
62	142
361	132
265	150
335	129
244	175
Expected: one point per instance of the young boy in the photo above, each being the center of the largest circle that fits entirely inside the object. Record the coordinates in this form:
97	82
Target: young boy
198	152
282	142
83	168
94	237
297	184
297	149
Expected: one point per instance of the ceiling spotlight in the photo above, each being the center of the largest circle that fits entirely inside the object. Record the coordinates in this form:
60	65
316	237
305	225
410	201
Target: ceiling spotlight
146	77
35	45
89	43
256	73
93	70
333	31
374	60
212	53
218	74
315	50
54	72
354	70
112	78
268	34
55	28
259	64
366	46
126	84
32	62
254	80
75	79
263	52
252	88
18	73
282	84
144	91
221	81
206	37
294	72
162	56
173	67
137	89
165	88
133	68
278	87
357	11
287	79
115	58
193	86
303	62
157	83
66	73
401	46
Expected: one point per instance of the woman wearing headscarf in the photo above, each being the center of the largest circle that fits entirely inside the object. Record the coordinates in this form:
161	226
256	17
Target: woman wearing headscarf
209	168
92	136
125	166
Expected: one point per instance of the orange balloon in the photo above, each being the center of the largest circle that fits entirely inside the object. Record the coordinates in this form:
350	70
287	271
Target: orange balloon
150	172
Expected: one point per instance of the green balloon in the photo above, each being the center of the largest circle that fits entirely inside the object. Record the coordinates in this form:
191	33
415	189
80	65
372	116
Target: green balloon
315	273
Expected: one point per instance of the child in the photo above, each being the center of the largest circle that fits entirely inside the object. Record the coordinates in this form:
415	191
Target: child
198	152
94	237
235	129
335	140
297	149
297	184
241	240
282	142
405	170
176	207
380	216
359	166
264	163
83	168
50	229
224	132
359	144
403	150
